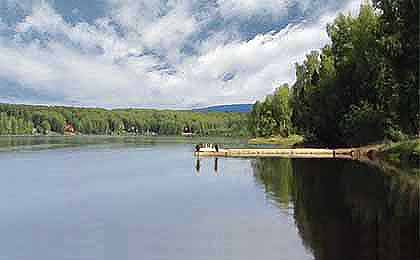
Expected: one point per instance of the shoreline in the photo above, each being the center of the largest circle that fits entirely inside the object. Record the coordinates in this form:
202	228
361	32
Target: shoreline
142	136
405	154
277	140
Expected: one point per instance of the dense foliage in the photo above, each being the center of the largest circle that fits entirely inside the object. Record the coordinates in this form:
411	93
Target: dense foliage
10	125
273	115
364	86
22	119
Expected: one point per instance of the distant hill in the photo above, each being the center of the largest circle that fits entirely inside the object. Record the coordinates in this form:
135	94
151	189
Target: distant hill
239	108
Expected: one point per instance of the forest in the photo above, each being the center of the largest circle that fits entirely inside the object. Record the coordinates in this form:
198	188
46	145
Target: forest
40	120
361	88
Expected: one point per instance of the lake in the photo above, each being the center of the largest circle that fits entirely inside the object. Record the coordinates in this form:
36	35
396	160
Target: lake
149	198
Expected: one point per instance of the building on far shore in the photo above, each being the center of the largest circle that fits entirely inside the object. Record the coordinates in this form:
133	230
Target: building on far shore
187	132
69	130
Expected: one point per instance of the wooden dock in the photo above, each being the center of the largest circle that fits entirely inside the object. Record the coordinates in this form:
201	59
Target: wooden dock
283	153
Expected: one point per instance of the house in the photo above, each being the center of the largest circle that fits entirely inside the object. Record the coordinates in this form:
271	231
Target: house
187	132
69	130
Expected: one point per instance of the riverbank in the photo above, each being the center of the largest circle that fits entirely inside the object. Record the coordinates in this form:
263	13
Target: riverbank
278	140
402	154
125	135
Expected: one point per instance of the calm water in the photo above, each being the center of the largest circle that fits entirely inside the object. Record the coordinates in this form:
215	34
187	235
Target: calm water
150	199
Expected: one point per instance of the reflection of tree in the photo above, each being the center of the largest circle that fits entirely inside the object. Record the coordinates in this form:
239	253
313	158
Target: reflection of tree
276	177
347	210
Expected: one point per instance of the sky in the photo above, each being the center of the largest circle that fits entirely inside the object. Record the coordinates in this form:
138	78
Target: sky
177	54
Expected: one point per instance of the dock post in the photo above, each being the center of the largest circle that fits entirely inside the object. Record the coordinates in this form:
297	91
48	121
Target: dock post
197	164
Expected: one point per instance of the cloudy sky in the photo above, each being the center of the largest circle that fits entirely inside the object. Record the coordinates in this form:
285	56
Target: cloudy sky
156	53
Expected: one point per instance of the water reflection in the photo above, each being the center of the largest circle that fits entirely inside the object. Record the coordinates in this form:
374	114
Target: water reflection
345	209
215	166
197	166
276	176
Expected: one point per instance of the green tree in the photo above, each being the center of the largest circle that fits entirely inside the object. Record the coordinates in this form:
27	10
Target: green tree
282	111
45	127
350	86
273	115
57	122
399	24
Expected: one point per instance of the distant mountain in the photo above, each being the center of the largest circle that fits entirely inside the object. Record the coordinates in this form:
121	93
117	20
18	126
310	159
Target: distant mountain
238	108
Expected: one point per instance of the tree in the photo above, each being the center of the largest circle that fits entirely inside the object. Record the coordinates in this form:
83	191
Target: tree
282	111
86	125
45	127
273	115
348	78
118	121
116	124
399	25
57	122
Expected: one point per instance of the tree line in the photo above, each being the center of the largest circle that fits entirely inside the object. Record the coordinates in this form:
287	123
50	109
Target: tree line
362	87
273	115
24	119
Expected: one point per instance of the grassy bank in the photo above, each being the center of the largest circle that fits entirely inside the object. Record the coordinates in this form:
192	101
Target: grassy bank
278	140
404	154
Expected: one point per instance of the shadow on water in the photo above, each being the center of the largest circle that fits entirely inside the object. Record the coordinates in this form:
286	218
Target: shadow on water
346	209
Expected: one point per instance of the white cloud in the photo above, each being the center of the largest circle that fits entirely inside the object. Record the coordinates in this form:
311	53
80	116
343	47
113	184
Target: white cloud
261	63
224	68
232	8
43	18
25	4
258	65
162	26
3	26
273	9
170	31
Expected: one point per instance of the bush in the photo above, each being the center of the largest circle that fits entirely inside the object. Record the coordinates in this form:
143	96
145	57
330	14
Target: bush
395	135
363	124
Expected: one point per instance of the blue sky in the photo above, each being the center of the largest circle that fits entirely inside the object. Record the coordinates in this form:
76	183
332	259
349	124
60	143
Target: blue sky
156	53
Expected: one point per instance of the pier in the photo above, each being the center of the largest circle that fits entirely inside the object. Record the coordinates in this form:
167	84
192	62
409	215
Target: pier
349	153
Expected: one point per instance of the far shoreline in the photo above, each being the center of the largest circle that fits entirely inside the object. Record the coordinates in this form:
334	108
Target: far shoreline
403	153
